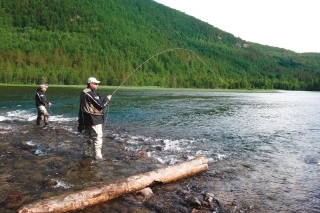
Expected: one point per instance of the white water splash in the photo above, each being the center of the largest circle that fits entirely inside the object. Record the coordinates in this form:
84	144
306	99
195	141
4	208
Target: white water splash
30	143
166	151
221	157
2	118
62	184
40	152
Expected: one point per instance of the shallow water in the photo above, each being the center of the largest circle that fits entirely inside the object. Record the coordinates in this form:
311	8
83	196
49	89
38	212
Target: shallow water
262	148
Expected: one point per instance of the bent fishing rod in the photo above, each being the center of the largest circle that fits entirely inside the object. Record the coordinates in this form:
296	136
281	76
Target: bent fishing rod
173	49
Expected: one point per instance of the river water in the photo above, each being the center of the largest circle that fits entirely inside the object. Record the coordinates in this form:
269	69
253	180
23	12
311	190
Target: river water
262	148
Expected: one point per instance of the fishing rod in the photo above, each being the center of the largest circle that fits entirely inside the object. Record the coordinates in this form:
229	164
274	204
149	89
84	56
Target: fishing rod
160	54
48	108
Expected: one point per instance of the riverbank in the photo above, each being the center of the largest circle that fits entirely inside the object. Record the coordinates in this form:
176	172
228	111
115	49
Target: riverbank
40	163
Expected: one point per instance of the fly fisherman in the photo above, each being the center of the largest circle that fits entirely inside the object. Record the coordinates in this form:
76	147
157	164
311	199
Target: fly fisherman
91	118
41	104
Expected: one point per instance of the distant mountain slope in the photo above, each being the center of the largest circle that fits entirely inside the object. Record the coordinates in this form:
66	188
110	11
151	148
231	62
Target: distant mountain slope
65	41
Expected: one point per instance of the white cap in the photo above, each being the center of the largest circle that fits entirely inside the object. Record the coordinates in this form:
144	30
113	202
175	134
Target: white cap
92	80
43	86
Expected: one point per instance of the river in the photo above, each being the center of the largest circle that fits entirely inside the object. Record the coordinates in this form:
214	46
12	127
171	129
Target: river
262	147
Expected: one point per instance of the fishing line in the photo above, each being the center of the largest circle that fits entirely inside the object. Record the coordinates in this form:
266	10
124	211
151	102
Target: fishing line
149	60
48	108
157	55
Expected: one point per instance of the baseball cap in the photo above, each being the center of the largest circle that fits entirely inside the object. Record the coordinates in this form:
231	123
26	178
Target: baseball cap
43	86
92	80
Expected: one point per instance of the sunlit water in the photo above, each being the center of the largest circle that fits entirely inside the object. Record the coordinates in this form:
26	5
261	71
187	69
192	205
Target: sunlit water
262	148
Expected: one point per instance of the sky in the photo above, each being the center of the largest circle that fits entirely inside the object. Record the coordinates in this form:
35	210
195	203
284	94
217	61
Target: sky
288	24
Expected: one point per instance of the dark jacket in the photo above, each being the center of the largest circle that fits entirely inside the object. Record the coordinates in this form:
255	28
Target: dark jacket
40	98
91	108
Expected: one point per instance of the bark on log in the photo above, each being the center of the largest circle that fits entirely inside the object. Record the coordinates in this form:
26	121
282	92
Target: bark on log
98	194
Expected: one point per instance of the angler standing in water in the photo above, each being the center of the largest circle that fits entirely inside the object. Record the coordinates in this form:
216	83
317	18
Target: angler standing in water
41	104
91	118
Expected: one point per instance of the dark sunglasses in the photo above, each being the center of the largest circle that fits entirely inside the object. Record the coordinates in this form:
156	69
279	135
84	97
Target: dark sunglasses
95	83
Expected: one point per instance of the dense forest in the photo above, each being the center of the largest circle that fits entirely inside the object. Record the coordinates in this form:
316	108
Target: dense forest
66	41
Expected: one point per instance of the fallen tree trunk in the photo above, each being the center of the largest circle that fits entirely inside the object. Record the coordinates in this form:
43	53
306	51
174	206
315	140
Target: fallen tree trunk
98	194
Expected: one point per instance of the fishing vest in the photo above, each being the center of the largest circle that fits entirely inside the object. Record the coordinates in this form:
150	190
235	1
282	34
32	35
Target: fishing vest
88	107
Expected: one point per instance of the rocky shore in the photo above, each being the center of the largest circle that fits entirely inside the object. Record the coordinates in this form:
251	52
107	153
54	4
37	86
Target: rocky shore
40	163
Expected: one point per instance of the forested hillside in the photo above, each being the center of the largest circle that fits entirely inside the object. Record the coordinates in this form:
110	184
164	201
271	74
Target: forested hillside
66	41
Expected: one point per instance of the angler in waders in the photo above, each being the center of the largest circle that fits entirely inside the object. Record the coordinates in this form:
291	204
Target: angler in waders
91	118
41	104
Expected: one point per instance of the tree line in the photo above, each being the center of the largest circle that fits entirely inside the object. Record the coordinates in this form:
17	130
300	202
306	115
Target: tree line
66	41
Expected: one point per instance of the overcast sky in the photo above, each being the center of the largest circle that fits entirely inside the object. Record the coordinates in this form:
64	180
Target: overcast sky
289	24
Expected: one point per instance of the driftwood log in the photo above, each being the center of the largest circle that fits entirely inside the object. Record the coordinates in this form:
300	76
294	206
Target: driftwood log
98	194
